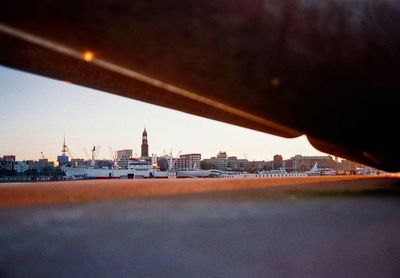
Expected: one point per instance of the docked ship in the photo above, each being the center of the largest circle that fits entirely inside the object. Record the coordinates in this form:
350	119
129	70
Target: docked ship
194	174
280	173
136	169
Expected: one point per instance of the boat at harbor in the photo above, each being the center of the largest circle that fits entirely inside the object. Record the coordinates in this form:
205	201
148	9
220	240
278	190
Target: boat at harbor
194	174
316	171
280	173
136	169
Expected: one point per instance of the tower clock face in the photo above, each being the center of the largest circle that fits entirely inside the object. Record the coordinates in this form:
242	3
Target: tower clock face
145	137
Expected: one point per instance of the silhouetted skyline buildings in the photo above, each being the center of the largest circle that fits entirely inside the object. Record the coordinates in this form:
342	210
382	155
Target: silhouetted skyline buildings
190	161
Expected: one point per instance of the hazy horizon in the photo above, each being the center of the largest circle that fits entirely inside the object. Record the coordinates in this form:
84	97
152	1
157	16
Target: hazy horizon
36	113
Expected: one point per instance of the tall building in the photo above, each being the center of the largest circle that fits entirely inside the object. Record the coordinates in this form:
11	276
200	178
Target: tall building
145	146
188	162
349	166
243	164
224	162
305	163
219	162
123	157
43	164
7	162
162	162
278	162
232	163
21	167
222	155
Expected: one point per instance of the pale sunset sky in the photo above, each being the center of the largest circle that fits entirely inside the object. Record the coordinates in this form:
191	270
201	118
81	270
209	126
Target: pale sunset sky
36	112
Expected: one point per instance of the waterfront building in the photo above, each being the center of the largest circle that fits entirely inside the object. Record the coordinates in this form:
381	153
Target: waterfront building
305	163
349	166
288	165
21	167
30	163
232	163
278	162
219	162
123	157
258	165
188	162
7	162
43	164
243	164
222	155
162	163
223	162
268	165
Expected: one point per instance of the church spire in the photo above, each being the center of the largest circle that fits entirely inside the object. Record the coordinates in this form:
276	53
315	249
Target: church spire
145	145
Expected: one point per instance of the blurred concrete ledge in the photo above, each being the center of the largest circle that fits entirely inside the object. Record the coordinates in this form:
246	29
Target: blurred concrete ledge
28	194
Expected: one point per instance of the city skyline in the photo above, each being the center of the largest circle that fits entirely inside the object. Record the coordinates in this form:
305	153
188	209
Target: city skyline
37	112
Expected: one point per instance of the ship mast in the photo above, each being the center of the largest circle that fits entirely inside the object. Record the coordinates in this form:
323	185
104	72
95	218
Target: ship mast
64	148
93	156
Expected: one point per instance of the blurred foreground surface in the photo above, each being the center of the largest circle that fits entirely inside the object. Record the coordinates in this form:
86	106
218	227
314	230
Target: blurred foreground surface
336	228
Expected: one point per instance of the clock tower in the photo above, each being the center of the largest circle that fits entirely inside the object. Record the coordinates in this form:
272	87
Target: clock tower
145	146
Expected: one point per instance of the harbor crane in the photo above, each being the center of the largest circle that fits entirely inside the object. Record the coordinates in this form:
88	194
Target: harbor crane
65	150
113	155
86	153
95	153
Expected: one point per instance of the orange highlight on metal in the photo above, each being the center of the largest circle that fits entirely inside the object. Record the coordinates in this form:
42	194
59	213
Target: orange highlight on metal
88	56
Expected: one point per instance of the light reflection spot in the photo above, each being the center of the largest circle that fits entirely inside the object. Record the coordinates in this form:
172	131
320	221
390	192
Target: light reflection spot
88	56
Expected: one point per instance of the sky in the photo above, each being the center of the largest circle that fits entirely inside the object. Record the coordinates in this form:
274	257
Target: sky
36	112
